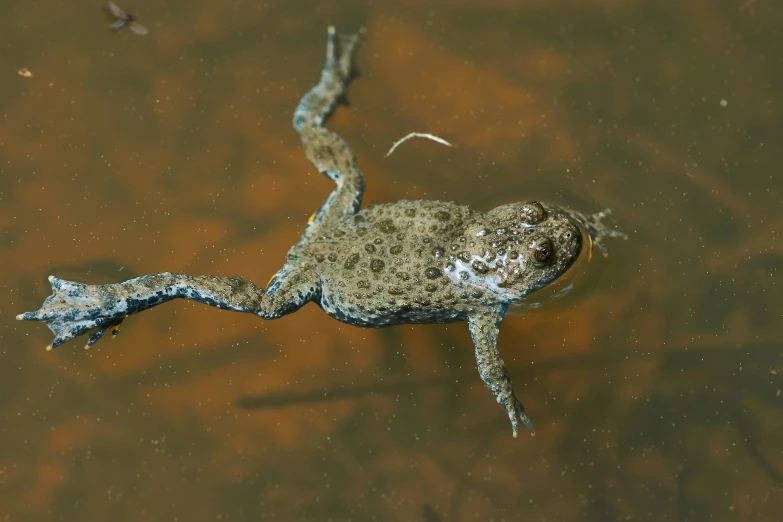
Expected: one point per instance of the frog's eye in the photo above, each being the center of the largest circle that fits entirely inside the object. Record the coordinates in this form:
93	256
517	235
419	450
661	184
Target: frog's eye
532	213
541	251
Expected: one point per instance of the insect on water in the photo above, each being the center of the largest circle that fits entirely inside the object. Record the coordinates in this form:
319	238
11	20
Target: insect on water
120	19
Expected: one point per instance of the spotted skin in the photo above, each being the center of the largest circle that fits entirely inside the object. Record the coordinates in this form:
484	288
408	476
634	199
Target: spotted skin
396	263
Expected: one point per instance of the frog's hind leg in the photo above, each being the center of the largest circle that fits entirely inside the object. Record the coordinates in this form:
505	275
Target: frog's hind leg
319	102
75	308
327	151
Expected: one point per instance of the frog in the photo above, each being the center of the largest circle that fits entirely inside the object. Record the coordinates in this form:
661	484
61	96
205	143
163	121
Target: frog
404	262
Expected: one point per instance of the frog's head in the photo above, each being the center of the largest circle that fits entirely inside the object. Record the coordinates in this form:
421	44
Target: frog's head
518	248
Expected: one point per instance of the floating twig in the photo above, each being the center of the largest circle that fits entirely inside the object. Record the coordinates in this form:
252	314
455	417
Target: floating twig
418	135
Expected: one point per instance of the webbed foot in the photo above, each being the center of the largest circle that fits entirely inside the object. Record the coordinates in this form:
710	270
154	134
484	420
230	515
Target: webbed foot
75	308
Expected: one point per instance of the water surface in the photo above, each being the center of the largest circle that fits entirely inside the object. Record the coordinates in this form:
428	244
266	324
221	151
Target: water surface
656	388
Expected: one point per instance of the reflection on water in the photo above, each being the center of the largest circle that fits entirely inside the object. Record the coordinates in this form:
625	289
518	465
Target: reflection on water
655	384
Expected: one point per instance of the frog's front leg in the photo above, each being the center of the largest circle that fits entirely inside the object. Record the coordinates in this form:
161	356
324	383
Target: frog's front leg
484	329
75	308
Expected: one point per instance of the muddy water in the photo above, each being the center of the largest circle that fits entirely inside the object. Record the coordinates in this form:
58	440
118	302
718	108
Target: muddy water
655	385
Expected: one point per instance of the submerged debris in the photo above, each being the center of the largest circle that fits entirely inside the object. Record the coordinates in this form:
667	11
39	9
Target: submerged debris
24	71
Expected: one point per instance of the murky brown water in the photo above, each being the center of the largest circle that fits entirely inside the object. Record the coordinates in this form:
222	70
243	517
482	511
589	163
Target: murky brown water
656	391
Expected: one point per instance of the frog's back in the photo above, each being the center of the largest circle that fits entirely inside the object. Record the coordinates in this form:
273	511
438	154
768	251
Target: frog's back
386	264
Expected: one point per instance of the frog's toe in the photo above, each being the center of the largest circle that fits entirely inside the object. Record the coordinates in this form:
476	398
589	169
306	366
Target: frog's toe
517	414
65	331
115	330
95	336
528	423
346	51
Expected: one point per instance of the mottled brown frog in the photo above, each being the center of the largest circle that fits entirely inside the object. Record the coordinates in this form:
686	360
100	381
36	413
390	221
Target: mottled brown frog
395	263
